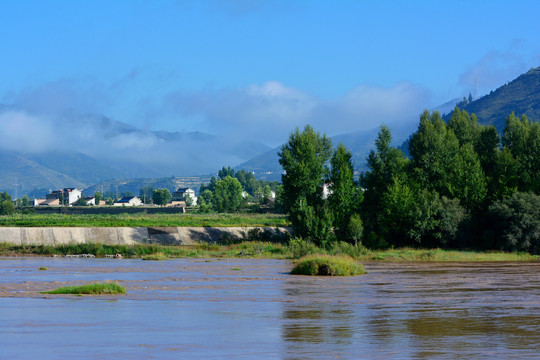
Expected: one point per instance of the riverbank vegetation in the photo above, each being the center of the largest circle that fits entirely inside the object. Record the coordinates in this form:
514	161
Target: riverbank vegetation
460	186
90	289
327	265
295	249
144	220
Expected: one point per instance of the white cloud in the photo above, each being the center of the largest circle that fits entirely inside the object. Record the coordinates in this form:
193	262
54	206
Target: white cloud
269	112
265	112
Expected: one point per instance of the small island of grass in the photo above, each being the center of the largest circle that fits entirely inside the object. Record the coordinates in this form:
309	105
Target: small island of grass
327	265
90	289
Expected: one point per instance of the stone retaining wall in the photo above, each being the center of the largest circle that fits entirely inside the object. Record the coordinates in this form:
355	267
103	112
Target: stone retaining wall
133	235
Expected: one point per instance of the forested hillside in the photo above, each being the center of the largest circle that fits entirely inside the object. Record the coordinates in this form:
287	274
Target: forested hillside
521	96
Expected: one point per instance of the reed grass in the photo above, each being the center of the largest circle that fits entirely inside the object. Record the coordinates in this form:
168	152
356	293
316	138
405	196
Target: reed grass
156	257
295	249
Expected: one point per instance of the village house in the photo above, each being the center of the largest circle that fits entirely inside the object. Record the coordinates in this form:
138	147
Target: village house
129	201
66	196
90	200
181	193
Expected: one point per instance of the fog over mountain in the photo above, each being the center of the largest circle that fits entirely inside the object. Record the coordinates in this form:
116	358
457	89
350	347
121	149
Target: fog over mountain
82	146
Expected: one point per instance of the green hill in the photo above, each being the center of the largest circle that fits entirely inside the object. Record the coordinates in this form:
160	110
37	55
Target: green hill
521	96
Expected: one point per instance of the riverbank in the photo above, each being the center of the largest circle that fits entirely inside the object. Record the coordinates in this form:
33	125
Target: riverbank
267	250
173	236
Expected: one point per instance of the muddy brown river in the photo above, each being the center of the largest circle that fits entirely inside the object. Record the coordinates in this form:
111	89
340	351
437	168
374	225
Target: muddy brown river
253	309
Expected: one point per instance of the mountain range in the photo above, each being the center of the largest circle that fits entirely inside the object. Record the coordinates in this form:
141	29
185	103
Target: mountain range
77	150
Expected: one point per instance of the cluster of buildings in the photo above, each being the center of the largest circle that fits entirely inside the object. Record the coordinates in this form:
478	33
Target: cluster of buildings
70	196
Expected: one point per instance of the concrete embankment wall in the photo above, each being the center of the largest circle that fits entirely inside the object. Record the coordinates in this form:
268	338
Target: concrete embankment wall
133	235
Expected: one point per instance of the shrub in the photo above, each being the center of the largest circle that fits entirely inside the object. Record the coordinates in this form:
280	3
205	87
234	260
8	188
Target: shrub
345	248
514	223
327	265
300	247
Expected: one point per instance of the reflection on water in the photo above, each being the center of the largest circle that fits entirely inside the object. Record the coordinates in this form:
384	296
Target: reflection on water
198	309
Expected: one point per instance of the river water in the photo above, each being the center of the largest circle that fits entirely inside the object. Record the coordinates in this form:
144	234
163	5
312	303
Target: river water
253	309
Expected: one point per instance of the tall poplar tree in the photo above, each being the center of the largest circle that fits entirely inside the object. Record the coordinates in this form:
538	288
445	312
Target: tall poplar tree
304	159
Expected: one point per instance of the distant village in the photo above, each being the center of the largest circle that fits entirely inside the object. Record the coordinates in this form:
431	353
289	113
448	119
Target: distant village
74	197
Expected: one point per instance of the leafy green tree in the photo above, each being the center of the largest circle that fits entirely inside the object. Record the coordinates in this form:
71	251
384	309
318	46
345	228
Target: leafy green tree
487	147
207	196
227	195
5	196
355	228
188	199
98	197
396	216
266	193
109	201
386	164
161	196
7	207
433	149
522	138
464	126
80	202
279	205
435	221
506	175
25	200
514	223
146	193
467	180
248	181
203	206
224	172
210	186
343	199
303	159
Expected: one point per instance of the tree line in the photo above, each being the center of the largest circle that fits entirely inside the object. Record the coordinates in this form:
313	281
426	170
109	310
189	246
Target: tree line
232	190
462	186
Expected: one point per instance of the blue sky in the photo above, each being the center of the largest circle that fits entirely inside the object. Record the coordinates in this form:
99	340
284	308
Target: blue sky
256	69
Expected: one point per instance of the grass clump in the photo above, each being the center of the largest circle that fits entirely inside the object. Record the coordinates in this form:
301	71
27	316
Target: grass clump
42	268
90	289
327	265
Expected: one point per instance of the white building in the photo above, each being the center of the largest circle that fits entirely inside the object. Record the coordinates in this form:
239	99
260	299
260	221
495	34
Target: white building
129	201
68	195
181	193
